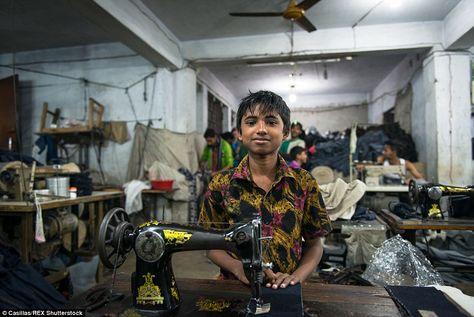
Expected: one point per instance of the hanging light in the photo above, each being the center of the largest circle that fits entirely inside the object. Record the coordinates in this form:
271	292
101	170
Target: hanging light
395	3
292	96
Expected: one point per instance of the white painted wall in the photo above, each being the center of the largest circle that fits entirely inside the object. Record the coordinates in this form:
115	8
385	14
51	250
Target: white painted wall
109	69
418	117
326	101
330	119
383	96
221	92
183	114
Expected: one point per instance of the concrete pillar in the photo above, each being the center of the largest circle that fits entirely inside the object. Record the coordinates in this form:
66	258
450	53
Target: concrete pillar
447	81
200	126
183	116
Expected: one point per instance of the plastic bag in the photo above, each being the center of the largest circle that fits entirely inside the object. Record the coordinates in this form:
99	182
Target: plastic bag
398	262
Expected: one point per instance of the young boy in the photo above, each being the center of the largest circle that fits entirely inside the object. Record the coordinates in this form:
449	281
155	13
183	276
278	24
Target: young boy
288	201
298	157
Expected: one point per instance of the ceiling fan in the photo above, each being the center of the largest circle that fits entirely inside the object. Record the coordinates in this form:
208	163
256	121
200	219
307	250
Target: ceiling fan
294	12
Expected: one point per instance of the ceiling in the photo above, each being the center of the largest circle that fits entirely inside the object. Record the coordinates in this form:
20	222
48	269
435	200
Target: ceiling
27	25
198	19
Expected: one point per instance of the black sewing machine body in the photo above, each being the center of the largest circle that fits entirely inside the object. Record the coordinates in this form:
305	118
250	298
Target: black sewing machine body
427	197
154	289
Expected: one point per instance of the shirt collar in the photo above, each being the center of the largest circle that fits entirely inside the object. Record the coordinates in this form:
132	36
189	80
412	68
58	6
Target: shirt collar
242	171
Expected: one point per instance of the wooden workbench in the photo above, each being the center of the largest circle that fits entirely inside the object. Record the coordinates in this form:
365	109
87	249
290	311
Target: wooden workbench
407	227
319	299
27	212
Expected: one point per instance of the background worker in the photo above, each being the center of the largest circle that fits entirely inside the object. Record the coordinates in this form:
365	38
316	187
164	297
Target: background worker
297	139
390	157
217	154
298	156
287	200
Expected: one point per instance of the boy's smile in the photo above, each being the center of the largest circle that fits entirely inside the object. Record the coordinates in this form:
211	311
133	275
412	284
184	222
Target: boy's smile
262	133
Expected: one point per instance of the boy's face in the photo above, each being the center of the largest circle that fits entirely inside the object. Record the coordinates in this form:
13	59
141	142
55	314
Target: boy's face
302	157
262	134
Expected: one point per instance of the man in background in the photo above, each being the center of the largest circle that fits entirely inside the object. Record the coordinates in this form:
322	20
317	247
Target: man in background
217	154
390	157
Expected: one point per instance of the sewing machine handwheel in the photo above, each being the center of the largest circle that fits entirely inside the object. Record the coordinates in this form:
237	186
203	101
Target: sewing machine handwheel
113	243
413	191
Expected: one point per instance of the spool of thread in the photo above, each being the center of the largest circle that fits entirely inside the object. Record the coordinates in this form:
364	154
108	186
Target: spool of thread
59	186
73	192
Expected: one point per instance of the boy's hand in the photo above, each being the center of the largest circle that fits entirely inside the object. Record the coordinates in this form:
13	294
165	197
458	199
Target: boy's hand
239	273
280	280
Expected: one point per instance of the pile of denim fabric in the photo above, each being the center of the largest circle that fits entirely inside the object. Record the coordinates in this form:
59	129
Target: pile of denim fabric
333	151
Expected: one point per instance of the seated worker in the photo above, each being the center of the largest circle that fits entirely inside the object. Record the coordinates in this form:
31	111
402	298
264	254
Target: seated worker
217	154
287	200
296	139
390	157
298	157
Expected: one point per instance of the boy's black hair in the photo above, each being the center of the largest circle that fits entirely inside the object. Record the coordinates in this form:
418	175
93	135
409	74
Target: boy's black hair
269	102
210	133
295	151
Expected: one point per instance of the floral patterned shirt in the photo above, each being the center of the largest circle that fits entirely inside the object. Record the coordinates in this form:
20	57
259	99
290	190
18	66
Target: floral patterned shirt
292	209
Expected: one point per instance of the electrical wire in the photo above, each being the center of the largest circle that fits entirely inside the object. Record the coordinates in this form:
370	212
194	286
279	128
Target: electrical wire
367	13
131	104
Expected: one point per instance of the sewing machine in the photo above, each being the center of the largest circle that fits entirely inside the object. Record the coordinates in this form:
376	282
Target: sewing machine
377	175
154	289
428	197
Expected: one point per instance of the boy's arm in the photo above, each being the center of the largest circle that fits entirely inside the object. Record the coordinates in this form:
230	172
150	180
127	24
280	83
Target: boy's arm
312	253
222	259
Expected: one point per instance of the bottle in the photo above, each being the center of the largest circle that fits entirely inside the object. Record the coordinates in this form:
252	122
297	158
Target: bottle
73	192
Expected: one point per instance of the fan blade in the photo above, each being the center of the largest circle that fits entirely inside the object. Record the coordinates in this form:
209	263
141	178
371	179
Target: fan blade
306	4
305	24
256	14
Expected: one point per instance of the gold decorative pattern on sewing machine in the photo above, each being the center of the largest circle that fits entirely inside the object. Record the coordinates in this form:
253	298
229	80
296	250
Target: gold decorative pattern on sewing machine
176	237
454	189
208	305
434	211
174	289
149	293
149	223
174	293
